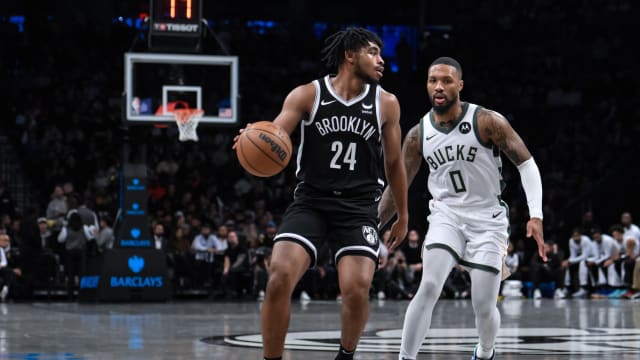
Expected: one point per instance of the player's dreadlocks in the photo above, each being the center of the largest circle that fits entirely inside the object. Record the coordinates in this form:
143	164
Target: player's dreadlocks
349	39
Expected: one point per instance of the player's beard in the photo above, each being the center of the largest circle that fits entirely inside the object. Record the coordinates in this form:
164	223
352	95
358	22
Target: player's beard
363	75
444	108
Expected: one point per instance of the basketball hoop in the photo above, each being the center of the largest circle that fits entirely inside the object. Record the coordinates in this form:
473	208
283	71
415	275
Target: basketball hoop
187	121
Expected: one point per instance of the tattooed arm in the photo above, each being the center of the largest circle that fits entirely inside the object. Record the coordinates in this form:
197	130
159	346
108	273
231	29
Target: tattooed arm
495	129
412	161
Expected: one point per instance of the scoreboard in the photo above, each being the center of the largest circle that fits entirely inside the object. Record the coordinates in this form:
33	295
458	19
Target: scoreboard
176	25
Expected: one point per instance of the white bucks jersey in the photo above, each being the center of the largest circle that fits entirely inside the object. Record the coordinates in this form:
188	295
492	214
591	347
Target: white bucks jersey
463	171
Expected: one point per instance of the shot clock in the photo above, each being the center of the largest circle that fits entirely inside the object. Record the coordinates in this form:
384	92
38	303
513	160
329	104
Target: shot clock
176	25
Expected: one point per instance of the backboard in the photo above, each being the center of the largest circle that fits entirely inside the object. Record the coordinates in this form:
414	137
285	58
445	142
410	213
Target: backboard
156	83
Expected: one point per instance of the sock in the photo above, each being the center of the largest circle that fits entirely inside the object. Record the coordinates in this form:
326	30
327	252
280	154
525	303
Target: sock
483	353
344	354
275	358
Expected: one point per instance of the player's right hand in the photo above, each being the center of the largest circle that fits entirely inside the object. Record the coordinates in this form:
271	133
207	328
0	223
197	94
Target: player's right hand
235	139
398	233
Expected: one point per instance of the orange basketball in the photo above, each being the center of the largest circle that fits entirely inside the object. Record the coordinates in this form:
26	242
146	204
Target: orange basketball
264	149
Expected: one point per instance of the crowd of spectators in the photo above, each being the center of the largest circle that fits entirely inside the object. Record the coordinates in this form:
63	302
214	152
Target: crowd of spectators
562	78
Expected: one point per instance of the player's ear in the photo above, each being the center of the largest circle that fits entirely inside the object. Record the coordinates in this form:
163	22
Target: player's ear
350	56
461	85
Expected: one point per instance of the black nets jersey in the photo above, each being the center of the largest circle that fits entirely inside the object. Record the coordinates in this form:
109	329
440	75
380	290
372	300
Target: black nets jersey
340	149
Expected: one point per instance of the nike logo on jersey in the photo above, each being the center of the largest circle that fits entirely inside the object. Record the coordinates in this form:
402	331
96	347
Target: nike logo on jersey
496	214
430	137
326	102
367	107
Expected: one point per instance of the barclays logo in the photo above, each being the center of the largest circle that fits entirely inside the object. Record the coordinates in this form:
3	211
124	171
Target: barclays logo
135	210
136	263
135	232
135	185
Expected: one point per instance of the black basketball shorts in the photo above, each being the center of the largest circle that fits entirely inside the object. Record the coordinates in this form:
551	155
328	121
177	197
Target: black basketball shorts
348	223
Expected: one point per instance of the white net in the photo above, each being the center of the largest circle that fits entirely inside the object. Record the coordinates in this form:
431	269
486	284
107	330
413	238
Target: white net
187	121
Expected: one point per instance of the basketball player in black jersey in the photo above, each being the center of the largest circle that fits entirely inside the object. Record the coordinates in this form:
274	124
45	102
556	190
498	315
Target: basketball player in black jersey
347	121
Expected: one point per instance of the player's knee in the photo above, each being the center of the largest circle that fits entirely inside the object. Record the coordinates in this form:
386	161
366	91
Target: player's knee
356	290
430	286
280	282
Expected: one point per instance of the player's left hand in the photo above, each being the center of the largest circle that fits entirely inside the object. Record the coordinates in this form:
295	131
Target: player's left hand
534	228
235	139
398	233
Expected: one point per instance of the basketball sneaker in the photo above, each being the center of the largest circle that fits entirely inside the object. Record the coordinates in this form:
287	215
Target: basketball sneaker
475	356
559	294
3	293
580	294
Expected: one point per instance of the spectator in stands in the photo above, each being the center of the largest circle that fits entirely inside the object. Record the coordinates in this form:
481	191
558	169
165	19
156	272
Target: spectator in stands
576	271
549	271
105	238
74	235
512	285
235	274
43	254
625	261
9	272
266	238
458	284
512	262
401	283
601	261
71	194
204	247
412	251
260	266
630	229
160	241
57	207
180	249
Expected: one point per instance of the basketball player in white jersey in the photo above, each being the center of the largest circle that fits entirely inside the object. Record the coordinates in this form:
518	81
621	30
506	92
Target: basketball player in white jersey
468	222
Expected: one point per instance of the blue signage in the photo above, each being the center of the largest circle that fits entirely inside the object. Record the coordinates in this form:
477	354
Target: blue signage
135	185
136	263
136	281
89	282
135	243
135	232
135	210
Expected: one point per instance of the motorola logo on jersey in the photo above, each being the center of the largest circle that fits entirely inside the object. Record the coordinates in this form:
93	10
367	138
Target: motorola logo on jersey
465	127
599	343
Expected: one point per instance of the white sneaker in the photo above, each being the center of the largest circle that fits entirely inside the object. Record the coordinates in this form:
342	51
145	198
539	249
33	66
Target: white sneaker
381	295
4	292
304	296
537	294
559	294
580	294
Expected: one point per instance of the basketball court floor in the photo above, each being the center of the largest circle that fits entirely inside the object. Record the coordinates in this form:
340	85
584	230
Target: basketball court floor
531	329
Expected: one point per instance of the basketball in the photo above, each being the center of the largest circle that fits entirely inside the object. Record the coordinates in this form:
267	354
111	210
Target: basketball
264	149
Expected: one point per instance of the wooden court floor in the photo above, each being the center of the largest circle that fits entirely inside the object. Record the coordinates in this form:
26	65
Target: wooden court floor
531	329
